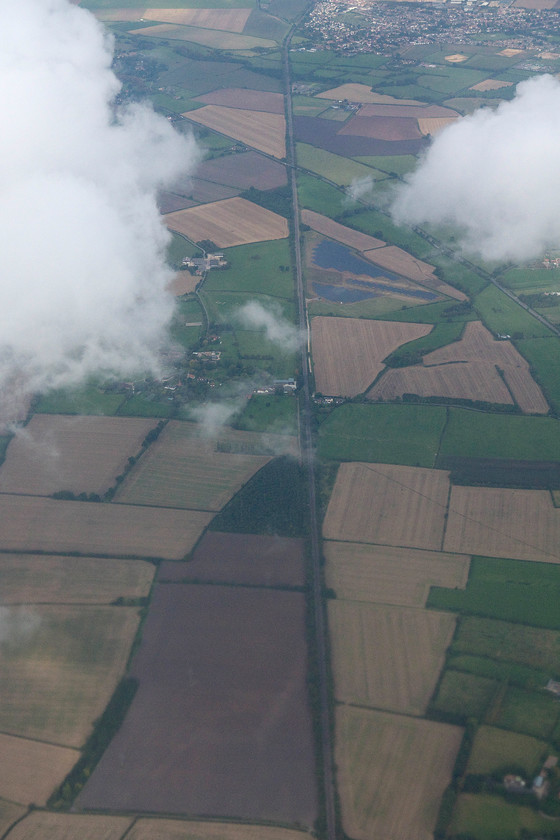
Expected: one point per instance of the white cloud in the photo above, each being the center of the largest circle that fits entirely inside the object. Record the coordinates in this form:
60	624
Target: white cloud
83	277
495	175
277	329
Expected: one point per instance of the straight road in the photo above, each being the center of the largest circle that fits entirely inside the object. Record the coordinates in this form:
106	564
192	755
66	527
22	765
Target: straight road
321	647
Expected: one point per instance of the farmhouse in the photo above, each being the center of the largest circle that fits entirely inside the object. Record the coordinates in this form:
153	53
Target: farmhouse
202	264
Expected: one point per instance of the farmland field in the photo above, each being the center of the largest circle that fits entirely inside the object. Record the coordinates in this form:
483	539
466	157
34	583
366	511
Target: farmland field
340	170
542	355
476	435
531	712
250	100
222	697
464	380
348	354
257	129
258	268
356	92
342	233
154	829
495	748
382	433
215	38
390	505
51	826
247	559
244	170
462	695
35	524
9	813
184	469
80	454
389	575
489	817
401	262
28	579
234	221
30	770
504	316
387	657
61	665
232	20
504	641
495	522
379	756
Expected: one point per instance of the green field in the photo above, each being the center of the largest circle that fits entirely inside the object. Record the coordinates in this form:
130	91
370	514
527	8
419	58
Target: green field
262	268
269	413
472	434
382	433
412	352
542	355
188	312
510	672
391	164
486	817
316	195
461	696
223	307
140	406
502	315
495	748
458	275
431	313
87	400
510	590
335	168
531	280
381	226
528	712
507	642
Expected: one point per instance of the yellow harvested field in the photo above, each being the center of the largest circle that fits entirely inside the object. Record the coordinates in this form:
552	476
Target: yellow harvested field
185	470
233	221
478	345
216	38
154	829
31	770
401	262
392	772
81	454
232	20
549	56
44	579
510	52
490	84
363	93
120	14
388	575
348	353
387	657
388	505
263	131
463	380
60	666
42	825
495	522
334	230
457	58
183	283
31	524
431	125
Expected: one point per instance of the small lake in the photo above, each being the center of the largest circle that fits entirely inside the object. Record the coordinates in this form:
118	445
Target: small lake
335	255
341	294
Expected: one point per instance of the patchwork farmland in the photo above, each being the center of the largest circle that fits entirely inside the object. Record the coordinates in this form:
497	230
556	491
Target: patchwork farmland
233	221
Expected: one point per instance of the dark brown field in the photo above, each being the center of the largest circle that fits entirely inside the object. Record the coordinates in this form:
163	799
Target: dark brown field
248	169
326	135
220	724
383	128
242	559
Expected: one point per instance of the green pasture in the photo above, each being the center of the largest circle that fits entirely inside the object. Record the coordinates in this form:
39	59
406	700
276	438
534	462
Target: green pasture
412	352
486	817
409	90
308	106
179	248
273	413
432	313
223	307
505	317
87	400
489	62
464	104
463	696
382	307
530	712
262	268
508	642
382	433
141	406
531	280
381	226
505	672
340	170
476	435
510	590
542	355
458	275
494	749
391	164
450	80
316	195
